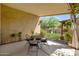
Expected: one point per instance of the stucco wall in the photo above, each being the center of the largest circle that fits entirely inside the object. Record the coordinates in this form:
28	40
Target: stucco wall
14	21
0	23
78	28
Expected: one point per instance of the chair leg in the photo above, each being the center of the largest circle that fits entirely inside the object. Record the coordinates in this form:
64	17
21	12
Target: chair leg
37	50
28	51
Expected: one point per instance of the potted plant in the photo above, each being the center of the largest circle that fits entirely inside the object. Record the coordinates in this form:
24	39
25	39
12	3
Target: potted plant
13	36
32	32
20	35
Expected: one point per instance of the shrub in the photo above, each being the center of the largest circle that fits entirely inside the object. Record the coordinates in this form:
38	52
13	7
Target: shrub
68	36
43	32
49	35
54	36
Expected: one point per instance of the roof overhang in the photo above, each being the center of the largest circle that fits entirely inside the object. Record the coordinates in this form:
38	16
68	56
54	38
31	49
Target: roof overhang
41	9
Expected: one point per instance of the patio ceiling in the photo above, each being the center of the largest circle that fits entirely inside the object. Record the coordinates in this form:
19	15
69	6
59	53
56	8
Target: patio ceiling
42	9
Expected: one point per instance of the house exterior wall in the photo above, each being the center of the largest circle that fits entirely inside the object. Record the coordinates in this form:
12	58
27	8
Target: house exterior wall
14	21
0	23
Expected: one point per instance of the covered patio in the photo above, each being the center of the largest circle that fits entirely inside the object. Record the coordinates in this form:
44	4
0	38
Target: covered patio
23	18
53	48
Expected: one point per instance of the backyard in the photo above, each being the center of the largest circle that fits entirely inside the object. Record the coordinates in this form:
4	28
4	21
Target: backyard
50	33
54	29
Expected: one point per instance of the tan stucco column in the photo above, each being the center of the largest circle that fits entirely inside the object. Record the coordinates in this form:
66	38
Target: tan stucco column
75	42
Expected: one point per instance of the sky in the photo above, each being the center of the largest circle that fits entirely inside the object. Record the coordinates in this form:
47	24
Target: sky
61	17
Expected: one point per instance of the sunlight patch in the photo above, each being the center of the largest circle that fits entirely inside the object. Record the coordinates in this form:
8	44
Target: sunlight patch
64	52
52	43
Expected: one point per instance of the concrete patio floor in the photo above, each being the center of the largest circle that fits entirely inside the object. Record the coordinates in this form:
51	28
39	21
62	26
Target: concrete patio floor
20	49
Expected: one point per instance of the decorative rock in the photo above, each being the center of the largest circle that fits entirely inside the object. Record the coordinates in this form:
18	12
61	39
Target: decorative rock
64	52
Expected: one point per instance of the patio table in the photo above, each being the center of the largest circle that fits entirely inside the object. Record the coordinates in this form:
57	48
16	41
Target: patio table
36	41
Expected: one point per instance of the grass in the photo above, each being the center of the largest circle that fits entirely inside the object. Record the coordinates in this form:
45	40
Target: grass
54	36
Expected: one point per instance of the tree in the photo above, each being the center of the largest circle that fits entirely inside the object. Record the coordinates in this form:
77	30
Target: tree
50	22
44	23
53	23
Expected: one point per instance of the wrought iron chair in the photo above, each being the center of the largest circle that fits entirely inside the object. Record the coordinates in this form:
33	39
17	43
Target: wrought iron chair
32	43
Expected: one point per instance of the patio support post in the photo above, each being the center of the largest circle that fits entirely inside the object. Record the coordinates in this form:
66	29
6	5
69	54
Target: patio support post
75	43
62	31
